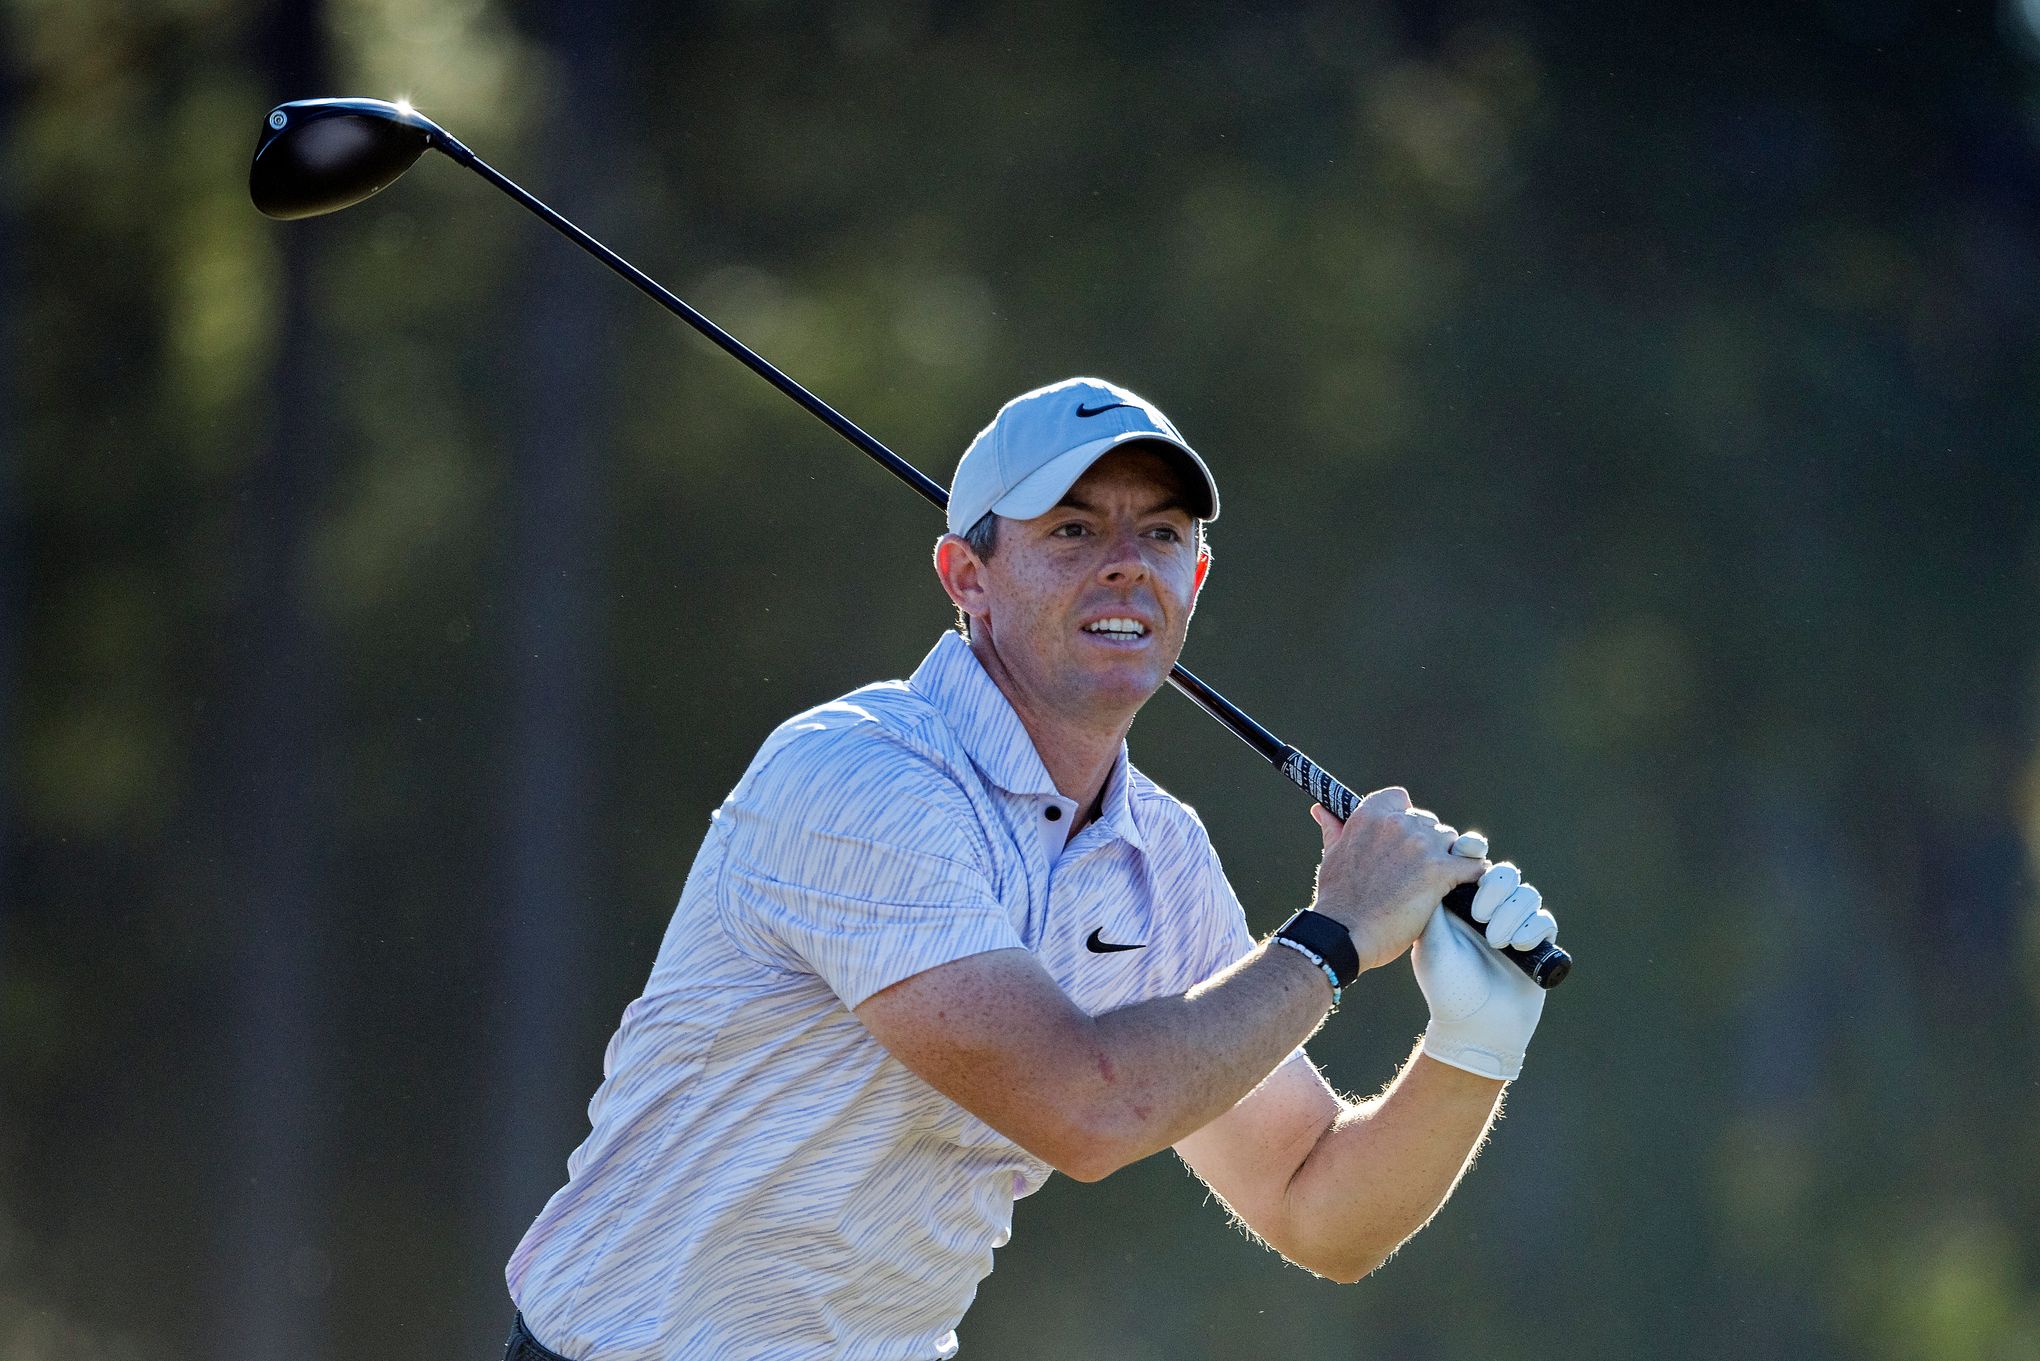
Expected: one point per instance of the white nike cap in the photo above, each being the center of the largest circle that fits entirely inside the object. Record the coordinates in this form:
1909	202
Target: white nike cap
1042	441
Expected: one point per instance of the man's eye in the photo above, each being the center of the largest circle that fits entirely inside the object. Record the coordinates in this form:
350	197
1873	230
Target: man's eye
1168	534
1069	531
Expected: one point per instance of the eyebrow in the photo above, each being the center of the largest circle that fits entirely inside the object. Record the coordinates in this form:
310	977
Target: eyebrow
1170	502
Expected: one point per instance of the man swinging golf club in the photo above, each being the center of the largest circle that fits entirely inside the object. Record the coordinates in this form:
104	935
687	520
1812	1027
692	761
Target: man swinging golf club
942	939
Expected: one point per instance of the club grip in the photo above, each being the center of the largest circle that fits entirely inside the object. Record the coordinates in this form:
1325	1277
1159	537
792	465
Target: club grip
1546	964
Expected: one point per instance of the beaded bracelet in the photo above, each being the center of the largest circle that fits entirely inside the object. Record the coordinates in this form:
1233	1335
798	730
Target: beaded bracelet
1317	959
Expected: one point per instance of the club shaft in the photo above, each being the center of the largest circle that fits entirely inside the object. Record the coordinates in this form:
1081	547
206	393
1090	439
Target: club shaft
1547	965
673	303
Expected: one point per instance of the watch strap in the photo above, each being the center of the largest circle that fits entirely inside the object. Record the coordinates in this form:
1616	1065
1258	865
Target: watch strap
1324	937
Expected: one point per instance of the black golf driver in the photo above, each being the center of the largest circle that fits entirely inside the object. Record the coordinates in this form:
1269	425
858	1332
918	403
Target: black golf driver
320	155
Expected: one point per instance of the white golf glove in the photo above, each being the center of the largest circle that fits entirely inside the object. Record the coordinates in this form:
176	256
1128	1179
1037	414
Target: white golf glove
1483	1008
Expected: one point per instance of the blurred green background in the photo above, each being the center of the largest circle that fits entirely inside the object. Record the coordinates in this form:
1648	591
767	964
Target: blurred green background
1624	419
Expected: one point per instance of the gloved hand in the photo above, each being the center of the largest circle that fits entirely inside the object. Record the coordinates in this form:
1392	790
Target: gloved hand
1483	1008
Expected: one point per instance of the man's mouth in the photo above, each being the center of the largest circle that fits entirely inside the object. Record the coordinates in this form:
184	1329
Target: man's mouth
1117	627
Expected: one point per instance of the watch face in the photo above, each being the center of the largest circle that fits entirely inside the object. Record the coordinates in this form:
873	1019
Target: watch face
1324	937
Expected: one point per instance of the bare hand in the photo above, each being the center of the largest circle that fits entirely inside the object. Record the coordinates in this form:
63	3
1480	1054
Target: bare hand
1385	869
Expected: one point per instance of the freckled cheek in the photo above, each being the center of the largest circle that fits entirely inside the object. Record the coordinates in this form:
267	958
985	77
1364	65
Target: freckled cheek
1182	595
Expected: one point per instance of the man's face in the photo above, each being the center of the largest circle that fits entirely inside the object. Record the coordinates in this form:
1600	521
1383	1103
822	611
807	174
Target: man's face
1054	604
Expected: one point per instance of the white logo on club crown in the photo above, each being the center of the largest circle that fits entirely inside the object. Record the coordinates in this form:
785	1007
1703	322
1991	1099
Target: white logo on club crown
278	119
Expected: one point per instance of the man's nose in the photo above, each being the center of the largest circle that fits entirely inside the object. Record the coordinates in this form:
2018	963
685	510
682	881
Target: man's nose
1123	558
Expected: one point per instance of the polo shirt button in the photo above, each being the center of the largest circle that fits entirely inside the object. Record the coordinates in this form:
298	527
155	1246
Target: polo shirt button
1052	813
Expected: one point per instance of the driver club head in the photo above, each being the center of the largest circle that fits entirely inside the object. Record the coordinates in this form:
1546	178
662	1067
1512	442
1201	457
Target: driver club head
320	155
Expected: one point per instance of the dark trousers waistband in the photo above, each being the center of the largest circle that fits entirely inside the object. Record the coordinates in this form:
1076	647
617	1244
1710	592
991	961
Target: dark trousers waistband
524	1347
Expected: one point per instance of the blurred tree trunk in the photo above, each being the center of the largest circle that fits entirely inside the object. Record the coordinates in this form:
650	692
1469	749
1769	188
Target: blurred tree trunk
276	819
552	583
12	566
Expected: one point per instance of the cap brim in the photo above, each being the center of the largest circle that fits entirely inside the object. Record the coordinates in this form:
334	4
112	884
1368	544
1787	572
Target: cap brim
1041	489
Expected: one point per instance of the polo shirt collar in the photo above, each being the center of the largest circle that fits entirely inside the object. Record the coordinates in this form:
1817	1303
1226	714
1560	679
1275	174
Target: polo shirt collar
952	679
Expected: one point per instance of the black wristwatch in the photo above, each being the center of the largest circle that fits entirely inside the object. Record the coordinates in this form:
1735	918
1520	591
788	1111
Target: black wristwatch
1326	943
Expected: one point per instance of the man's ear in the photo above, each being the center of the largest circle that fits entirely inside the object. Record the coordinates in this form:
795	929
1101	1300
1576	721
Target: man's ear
962	575
1203	566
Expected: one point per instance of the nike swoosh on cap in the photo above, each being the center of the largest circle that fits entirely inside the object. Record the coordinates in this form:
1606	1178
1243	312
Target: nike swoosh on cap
1099	947
1083	410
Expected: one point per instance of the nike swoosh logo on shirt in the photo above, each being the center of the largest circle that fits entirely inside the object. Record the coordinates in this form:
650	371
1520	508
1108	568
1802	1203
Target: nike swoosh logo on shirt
1099	947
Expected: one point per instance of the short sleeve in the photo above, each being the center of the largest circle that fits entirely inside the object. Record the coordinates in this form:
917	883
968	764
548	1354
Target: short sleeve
856	858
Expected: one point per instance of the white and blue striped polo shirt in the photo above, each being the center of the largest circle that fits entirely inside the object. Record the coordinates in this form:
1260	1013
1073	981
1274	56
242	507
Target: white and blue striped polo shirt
763	1180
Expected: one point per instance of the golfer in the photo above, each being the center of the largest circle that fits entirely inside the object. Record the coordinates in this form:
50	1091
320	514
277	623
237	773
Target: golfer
943	939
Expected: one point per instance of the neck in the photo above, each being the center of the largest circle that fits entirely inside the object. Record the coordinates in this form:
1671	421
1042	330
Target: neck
1078	749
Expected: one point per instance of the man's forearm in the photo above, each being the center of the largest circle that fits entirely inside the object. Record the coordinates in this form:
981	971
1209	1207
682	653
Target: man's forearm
1164	1068
1385	1166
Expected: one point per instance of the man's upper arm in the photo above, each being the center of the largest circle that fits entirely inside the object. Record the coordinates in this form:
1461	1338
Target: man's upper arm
1249	1154
856	859
994	1034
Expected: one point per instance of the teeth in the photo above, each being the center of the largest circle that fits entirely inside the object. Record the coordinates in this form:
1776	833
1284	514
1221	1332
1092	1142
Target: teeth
1125	627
